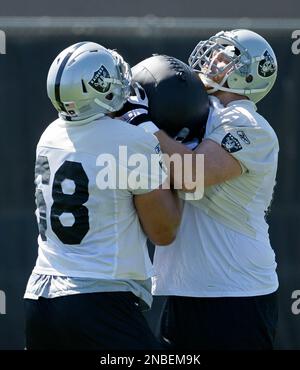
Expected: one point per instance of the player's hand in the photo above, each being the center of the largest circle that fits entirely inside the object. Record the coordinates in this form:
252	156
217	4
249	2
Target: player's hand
135	110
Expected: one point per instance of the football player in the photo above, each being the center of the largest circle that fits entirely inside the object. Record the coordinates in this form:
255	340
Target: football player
220	274
93	272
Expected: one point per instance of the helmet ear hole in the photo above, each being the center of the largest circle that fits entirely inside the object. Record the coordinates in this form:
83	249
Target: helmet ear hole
109	96
249	78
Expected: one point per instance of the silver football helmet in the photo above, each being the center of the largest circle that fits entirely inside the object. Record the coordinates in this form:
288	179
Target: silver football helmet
248	63
87	81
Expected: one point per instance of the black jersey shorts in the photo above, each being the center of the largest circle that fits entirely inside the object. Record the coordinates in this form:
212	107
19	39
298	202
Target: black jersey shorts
222	323
96	321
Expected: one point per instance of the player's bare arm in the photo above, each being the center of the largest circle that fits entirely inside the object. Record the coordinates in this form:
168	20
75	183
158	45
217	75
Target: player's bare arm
159	212
219	165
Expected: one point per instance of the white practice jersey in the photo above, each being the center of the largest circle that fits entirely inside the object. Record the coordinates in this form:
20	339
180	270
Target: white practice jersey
87	230
222	247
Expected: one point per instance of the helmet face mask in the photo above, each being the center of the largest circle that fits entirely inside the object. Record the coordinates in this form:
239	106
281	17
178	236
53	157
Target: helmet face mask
206	52
87	81
240	58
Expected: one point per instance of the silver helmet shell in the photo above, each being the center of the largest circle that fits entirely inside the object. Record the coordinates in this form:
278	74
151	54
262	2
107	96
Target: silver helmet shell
86	81
251	65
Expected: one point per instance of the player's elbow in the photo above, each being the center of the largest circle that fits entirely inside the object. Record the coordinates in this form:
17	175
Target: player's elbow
164	239
166	234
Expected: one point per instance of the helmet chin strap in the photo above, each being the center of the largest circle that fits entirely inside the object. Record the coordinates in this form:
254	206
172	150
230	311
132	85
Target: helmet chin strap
214	87
103	105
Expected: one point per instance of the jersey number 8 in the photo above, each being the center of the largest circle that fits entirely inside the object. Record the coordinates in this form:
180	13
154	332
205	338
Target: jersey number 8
63	203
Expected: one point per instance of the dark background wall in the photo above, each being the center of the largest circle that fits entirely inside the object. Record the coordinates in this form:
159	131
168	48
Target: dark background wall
26	111
161	8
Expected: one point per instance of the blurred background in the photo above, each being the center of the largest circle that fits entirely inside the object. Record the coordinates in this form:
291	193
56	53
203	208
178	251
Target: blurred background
37	31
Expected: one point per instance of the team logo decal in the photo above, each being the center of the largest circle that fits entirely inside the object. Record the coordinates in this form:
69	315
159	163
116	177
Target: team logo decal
266	66
231	144
243	137
98	81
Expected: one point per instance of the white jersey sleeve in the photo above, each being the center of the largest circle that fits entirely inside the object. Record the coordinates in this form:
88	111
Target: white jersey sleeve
250	140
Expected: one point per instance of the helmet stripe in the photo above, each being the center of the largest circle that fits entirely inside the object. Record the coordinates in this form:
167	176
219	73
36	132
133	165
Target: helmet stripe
59	74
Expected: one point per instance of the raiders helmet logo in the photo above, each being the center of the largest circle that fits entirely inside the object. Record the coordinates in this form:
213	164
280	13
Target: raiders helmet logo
231	144
98	81
266	67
